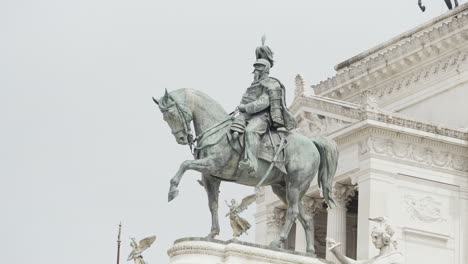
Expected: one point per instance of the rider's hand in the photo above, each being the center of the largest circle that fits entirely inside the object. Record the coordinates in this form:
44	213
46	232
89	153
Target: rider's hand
241	108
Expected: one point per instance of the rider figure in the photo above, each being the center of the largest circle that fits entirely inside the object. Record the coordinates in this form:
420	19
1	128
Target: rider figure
262	107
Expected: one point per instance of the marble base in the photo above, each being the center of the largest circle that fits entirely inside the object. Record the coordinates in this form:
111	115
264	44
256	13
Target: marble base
211	251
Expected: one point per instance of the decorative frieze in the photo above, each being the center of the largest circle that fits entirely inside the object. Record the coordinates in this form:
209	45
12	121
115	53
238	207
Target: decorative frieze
395	119
424	154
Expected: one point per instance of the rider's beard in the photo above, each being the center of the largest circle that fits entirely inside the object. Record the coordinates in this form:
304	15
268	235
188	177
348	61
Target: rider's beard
257	75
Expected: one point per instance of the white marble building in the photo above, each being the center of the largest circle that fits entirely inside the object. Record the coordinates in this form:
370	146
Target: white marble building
399	113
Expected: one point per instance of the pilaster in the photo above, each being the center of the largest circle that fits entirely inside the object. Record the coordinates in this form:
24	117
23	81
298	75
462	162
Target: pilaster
375	199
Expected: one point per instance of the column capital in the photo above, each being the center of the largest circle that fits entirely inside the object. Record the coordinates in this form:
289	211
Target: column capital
312	205
343	193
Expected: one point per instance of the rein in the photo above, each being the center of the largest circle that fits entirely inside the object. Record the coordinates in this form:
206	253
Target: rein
186	125
199	138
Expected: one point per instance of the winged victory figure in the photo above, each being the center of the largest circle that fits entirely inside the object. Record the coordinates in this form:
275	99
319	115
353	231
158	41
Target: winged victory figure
239	225
139	248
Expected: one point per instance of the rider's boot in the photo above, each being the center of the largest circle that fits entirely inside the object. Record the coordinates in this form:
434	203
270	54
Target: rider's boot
250	161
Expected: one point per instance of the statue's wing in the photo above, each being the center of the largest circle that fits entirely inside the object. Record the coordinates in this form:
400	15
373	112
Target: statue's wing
146	243
246	202
130	257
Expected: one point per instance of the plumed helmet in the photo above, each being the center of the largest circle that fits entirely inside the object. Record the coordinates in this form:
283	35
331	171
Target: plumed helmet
264	52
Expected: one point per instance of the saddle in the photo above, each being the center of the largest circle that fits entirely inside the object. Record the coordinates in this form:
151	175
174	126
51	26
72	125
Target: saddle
267	148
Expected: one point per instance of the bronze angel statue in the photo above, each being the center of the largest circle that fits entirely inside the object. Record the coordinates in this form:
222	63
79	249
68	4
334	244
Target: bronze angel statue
139	248
239	225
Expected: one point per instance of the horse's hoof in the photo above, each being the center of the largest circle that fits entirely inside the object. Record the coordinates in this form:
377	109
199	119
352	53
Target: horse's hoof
213	234
311	252
172	194
276	244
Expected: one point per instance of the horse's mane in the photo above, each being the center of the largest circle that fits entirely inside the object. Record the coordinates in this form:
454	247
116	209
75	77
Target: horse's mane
187	96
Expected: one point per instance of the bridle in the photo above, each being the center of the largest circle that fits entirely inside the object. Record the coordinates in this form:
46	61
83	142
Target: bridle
185	118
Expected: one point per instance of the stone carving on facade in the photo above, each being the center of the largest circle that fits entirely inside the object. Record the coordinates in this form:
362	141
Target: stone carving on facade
425	209
368	101
299	91
422	154
313	205
383	238
399	120
276	218
311	124
343	193
411	47
422	74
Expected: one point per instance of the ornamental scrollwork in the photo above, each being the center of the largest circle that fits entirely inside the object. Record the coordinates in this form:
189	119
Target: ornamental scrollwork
413	152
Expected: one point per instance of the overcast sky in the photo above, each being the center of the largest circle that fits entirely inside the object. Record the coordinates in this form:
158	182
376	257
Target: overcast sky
82	145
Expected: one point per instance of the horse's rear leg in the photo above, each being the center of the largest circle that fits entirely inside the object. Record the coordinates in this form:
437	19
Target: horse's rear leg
212	189
304	218
280	191
308	223
293	200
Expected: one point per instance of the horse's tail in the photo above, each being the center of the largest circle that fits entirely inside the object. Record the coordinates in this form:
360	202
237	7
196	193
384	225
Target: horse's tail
328	150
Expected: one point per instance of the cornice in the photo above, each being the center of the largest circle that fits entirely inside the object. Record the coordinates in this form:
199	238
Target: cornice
367	128
427	43
431	130
366	112
419	78
402	36
336	107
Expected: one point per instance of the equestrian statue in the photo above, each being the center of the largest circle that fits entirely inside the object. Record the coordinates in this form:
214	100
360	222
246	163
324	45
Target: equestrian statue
254	146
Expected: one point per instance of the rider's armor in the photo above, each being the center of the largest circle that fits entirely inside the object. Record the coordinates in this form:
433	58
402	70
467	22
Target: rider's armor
264	107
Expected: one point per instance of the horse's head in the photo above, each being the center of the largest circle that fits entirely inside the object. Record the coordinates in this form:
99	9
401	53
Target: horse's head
177	117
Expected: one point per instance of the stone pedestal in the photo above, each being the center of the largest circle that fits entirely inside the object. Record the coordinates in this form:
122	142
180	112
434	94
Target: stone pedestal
212	251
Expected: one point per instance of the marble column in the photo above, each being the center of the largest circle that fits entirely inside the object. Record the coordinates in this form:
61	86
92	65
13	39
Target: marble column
336	223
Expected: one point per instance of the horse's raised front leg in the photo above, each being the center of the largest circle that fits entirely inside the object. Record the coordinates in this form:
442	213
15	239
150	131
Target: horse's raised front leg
212	190
201	165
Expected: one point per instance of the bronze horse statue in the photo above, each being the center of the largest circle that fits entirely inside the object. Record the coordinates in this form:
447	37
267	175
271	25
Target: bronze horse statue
217	160
447	2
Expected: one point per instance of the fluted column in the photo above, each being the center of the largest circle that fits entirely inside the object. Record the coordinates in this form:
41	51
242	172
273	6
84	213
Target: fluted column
336	222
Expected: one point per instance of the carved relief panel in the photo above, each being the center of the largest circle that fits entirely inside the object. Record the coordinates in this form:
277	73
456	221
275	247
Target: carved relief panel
311	124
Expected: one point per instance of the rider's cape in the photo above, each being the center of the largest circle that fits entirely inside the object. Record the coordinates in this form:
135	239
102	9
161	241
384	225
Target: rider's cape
280	116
